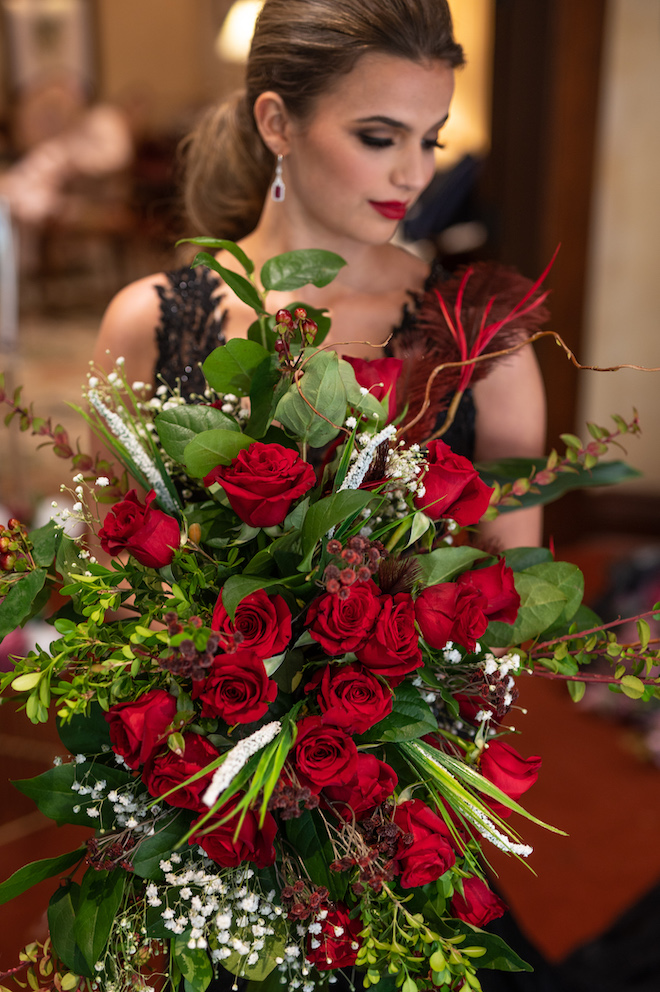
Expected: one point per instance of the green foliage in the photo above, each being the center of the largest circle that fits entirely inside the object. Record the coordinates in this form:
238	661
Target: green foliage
314	406
21	602
38	871
509	469
194	964
212	448
445	564
52	793
230	369
100	897
411	717
62	913
309	838
178	427
295	269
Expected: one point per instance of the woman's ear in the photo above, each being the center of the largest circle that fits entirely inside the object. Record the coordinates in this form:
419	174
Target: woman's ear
273	121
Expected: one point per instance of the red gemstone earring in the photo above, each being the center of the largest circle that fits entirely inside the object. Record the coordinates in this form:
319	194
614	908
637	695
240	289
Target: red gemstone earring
278	188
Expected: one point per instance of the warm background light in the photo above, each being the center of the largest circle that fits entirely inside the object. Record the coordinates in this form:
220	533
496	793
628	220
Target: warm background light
233	41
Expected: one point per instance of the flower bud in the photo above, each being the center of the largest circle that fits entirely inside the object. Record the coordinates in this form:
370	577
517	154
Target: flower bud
7	561
300	313
195	533
284	317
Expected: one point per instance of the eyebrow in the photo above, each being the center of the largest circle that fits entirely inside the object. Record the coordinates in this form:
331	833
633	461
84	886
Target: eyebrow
391	122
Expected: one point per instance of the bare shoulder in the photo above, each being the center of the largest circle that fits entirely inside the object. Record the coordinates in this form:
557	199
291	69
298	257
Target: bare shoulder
128	328
511	411
403	270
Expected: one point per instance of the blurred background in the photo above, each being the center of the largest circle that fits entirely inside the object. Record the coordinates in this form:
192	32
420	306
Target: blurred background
554	137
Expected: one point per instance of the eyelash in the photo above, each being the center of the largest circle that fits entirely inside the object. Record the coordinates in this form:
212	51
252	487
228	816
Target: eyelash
371	141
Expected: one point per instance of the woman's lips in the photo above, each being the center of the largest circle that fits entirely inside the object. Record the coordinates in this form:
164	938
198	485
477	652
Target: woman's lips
392	209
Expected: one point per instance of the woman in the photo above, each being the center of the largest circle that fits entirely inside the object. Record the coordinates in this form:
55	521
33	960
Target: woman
344	103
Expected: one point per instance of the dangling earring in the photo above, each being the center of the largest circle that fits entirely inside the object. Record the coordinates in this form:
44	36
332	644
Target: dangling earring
278	188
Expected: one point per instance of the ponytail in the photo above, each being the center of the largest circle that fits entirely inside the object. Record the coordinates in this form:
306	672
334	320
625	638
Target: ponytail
228	171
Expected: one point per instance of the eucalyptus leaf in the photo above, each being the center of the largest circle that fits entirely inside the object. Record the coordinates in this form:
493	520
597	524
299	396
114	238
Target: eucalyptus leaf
314	408
444	564
19	603
212	448
101	894
299	268
241	286
178	427
229	369
36	872
541	604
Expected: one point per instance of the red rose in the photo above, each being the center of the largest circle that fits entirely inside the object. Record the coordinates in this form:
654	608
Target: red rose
237	688
137	729
341	625
393	650
478	905
148	534
379	376
263	481
372	783
337	944
351	697
263	622
254	843
453	487
449	612
496	584
429	854
164	770
323	755
509	771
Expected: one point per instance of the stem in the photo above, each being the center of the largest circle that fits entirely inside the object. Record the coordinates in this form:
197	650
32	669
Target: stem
397	535
592	630
595	678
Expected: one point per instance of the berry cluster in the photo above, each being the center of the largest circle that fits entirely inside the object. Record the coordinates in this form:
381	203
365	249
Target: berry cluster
358	561
377	865
286	799
286	326
13	547
306	901
186	659
104	854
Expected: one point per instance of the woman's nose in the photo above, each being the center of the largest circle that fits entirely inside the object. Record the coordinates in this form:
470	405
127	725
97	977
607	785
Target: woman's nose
413	171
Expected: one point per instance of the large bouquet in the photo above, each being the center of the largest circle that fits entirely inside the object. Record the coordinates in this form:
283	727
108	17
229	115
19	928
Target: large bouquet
283	697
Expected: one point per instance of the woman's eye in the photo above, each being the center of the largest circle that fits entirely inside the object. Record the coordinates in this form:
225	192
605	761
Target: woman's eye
431	143
372	141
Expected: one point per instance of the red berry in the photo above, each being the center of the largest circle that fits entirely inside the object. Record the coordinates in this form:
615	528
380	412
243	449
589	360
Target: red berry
300	313
7	561
284	317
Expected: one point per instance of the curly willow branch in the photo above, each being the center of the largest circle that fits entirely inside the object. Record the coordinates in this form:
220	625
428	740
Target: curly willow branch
499	354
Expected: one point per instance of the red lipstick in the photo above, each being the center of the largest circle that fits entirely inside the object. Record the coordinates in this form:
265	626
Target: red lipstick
392	209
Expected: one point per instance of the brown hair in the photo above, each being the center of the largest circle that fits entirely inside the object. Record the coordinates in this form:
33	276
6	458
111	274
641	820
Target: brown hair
299	49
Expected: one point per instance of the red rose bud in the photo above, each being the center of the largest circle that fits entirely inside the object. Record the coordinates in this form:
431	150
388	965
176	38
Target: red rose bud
166	770
138	728
496	584
253	843
431	853
379	376
453	487
509	771
478	905
237	688
149	535
264	623
447	612
263	481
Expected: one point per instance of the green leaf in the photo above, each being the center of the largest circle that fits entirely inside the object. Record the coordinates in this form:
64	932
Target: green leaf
237	587
86	734
633	687
45	542
567	578
576	690
194	963
498	955
221	244
101	894
309	838
410	718
18	605
510	469
444	564
31	874
273	948
52	793
178	427
152	850
325	514
323	391
61	921
229	369
364	403
299	268
521	558
212	448
541	604
241	286
264	397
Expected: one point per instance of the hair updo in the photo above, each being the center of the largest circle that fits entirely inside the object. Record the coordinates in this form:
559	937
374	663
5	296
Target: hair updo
299	49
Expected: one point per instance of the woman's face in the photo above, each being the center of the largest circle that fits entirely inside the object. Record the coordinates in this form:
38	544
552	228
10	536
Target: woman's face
367	152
